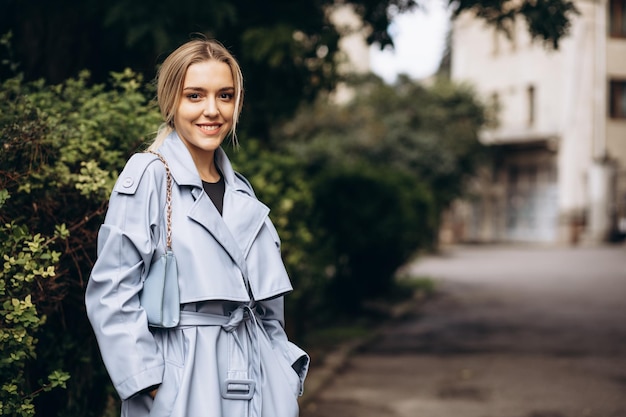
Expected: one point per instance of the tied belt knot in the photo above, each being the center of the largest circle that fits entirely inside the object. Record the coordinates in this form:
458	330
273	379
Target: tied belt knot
238	315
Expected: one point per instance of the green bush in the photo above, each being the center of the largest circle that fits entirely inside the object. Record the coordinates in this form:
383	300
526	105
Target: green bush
61	149
27	260
429	132
374	219
281	183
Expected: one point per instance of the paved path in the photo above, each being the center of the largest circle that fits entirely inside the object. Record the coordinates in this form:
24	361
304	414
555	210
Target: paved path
514	332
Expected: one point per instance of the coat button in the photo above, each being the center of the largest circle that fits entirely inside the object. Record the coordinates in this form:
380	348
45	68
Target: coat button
128	182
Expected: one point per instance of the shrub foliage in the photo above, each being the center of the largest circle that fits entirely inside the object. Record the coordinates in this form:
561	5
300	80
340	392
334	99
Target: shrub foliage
61	147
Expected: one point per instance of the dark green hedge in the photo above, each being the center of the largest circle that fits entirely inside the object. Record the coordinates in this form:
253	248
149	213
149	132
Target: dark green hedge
373	220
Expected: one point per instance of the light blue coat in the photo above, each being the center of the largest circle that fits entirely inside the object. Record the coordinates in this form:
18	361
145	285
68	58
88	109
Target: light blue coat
220	337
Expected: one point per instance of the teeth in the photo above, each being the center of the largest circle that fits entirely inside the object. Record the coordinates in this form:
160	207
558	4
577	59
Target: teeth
209	128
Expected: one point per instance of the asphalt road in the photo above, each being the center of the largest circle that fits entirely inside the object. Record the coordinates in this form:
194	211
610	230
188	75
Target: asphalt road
512	332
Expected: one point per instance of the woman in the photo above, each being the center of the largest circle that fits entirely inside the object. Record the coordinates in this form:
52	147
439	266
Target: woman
228	355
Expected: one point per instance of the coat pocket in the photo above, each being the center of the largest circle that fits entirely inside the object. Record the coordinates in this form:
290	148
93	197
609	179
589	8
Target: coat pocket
143	405
280	383
294	363
171	343
297	359
163	403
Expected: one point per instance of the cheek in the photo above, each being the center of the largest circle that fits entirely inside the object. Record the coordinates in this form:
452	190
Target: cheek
228	111
185	114
183	110
180	118
178	113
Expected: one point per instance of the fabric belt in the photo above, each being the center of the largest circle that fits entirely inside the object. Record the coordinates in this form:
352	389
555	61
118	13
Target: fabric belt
229	323
236	389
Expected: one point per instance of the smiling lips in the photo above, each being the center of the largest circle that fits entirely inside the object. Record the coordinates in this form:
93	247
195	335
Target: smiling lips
210	129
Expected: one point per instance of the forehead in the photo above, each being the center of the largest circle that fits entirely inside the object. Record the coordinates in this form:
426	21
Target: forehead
213	73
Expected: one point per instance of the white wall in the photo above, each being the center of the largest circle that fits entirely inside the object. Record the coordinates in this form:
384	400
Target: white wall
616	129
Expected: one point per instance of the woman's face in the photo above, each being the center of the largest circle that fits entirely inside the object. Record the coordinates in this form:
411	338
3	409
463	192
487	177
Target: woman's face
204	116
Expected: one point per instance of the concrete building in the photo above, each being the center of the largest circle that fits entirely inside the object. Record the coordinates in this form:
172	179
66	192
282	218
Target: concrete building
560	142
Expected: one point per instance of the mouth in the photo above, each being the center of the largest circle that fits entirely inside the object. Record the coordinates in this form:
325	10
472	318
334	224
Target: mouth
209	129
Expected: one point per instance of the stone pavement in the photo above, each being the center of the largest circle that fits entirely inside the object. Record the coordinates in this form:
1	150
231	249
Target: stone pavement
513	332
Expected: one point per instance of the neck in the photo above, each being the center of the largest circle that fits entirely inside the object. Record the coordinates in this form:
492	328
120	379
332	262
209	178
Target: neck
205	165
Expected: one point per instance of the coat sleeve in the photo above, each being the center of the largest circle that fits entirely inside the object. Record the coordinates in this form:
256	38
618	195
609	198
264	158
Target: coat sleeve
125	246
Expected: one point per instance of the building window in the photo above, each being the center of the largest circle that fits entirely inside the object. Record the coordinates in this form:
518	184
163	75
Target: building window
530	92
493	109
617	16
617	97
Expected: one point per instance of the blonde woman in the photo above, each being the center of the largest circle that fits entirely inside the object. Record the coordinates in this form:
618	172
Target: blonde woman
228	355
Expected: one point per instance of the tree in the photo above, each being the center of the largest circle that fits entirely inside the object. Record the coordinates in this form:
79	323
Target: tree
287	49
384	166
429	132
549	21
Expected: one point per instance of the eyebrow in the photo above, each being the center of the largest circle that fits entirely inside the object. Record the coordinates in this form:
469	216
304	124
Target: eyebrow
203	90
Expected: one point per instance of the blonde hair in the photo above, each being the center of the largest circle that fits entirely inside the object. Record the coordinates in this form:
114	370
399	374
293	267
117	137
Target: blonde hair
171	76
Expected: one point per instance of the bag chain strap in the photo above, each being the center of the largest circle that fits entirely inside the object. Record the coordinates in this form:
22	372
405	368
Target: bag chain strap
168	200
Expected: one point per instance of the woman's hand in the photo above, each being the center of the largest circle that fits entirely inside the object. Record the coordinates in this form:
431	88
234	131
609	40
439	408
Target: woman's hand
151	391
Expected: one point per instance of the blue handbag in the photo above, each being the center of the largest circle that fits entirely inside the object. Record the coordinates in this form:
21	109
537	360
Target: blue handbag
160	297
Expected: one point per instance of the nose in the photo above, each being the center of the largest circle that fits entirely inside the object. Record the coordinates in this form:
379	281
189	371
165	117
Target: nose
210	107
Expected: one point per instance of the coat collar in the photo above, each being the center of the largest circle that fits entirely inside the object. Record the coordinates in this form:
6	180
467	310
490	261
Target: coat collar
243	215
184	170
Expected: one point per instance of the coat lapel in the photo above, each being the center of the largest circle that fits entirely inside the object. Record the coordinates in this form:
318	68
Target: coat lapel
206	215
243	214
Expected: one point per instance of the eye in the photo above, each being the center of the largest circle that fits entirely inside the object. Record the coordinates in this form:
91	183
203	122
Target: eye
227	96
193	96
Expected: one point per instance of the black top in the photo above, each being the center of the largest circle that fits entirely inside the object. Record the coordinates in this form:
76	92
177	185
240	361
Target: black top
215	190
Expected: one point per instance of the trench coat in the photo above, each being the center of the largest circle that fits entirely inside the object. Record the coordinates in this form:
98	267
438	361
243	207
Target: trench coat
229	356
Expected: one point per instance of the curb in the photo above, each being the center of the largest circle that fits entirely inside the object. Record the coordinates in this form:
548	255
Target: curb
320	376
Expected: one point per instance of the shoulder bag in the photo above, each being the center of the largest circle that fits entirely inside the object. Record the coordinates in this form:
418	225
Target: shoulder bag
160	296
